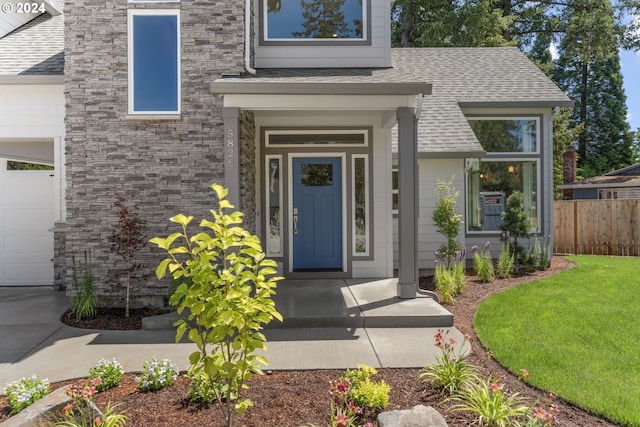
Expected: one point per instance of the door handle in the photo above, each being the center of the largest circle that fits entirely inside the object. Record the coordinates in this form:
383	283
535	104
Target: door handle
295	224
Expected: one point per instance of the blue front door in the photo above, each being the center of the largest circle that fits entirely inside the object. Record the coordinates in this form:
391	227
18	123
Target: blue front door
317	213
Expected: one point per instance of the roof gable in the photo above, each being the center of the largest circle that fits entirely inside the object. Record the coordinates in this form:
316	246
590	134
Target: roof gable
35	48
460	77
633	170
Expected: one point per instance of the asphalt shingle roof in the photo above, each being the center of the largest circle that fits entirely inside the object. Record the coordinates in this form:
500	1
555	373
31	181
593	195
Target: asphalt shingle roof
36	48
461	77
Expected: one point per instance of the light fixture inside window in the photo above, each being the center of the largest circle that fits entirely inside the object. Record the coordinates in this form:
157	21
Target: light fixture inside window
511	169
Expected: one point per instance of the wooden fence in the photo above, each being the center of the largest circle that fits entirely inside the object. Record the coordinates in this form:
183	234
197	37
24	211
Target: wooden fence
597	227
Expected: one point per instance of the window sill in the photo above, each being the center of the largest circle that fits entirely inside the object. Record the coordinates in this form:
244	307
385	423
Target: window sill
157	117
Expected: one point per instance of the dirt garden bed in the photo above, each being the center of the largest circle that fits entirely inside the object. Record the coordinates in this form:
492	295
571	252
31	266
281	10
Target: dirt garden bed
295	398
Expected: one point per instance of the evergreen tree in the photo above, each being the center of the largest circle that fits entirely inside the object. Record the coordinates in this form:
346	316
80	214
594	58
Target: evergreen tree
635	147
448	23
589	70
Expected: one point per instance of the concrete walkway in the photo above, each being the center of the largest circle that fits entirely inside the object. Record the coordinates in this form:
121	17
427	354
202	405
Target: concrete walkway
333	324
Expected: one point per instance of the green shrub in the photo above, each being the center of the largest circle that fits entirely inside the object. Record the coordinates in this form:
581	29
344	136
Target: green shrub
516	223
109	371
371	394
459	277
445	283
445	218
226	284
482	263
364	392
157	375
23	392
505	261
203	388
490	403
451	369
83	301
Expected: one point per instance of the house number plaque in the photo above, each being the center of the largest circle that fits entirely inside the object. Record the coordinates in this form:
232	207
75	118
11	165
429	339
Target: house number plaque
231	148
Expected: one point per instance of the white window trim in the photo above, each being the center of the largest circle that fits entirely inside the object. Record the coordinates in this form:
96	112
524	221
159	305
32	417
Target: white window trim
367	223
365	25
512	153
130	57
268	133
537	162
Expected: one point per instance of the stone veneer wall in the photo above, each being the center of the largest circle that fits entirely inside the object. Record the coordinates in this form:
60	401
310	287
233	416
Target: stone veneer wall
164	167
248	183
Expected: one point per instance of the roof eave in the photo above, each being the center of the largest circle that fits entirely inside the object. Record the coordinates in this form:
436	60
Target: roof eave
452	154
517	104
599	185
52	7
222	87
448	154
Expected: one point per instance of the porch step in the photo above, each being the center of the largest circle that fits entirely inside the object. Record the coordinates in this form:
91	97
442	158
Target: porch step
342	303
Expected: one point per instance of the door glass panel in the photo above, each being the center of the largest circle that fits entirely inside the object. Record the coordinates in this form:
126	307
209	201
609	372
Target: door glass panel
357	138
274	201
360	225
317	175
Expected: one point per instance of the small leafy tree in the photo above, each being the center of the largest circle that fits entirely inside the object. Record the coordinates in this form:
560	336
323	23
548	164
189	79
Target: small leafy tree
126	239
516	222
84	299
226	284
445	218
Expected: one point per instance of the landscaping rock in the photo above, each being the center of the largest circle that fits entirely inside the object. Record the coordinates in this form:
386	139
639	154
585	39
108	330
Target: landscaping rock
418	416
43	412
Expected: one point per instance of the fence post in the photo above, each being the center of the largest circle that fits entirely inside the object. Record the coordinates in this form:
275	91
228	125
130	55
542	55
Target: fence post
575	227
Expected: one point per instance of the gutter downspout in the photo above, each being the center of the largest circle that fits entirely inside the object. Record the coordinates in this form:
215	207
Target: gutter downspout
247	38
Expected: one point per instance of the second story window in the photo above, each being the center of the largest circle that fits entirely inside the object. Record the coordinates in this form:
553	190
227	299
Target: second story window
154	61
314	20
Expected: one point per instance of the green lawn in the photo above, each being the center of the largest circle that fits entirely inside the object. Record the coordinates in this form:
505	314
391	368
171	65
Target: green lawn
577	332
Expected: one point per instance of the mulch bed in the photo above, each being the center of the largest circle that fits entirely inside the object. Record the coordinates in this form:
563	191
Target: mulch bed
296	398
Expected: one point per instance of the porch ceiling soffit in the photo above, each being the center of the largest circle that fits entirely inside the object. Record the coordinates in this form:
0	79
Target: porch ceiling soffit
328	96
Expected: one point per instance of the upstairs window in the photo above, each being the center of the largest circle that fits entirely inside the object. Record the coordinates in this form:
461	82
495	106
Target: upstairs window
154	61
314	20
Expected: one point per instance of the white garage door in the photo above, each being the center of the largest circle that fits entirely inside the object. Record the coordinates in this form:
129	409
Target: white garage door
26	216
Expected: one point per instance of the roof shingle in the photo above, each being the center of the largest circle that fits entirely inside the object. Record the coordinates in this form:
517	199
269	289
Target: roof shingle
461	77
36	48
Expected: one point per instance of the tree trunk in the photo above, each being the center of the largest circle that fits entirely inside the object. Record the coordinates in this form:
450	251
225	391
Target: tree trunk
407	24
582	140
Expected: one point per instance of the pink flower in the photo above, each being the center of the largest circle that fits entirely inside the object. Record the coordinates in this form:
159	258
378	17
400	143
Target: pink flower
341	420
524	373
68	409
352	408
97	421
495	387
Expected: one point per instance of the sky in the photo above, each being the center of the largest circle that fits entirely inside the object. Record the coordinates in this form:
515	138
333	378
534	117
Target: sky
630	62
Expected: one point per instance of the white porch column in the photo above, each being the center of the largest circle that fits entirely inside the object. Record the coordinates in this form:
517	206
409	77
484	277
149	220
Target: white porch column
230	117
407	203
